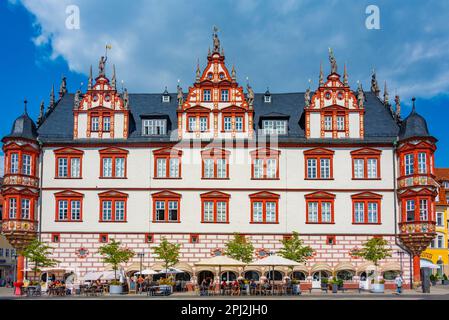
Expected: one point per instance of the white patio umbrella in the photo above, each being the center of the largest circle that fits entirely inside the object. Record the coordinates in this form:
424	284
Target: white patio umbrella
428	264
273	261
109	275
220	261
147	272
92	276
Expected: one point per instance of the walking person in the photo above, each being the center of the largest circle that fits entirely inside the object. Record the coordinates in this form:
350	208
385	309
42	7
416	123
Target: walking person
398	281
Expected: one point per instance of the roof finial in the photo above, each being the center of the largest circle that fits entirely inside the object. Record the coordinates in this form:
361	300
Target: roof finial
198	71
397	100
216	41
321	75
63	87
250	95
233	73
25	102
89	83
114	79
333	61
345	77
41	113
360	95
52	97
180	95
102	66
413	105
374	85
386	95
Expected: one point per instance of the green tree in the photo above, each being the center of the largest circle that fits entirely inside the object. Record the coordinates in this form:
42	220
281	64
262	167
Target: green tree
240	248
115	255
294	249
38	253
168	252
373	250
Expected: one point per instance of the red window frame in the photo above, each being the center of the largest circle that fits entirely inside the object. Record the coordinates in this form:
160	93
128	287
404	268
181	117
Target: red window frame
19	195
264	197
100	238
113	196
69	154
334	112
197	113
366	198
21	151
417	196
191	238
422	147
167	154
53	237
318	154
214	154
166	196
330	239
100	113
68	196
215	196
365	154
147	237
113	153
320	197
265	154
232	112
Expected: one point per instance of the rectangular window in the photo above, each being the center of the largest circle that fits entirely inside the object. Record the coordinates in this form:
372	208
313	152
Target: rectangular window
258	168
203	124
224	95
313	211
341	123
95	124
239	124
208	211
440	241
221	168
26	164
192	124
209	168
311	169
107	210
14	166
154	127
440	219
325	168
221	211
359	168
173	211
359	212
372	168
63	209
12	208
372	212
258	211
25	209
409	164
326	214
1	252
422	163
106	124
160	210
328	123
206	95
271	168
119	167
274	126
423	210
410	210
6	253
227	123
62	167
161	167
76	210
107	167
270	212
119	210
174	168
75	167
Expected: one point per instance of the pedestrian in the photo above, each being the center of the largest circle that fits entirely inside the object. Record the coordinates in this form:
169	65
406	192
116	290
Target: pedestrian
398	281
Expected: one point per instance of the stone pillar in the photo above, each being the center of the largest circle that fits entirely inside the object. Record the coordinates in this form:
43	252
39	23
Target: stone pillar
416	268
20	268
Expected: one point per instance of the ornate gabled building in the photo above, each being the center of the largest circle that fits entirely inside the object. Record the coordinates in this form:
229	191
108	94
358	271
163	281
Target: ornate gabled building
336	165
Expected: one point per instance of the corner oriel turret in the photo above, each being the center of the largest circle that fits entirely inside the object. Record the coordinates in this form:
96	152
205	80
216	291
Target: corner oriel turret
417	188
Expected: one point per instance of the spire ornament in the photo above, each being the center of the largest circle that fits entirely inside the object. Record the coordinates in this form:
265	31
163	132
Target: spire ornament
360	95
374	85
114	78
345	77
333	61
216	40
126	98
321	80
25	102
89	83
77	99
180	96
198	71
386	95
250	95
102	66
397	101
233	73
41	113
63	87
52	97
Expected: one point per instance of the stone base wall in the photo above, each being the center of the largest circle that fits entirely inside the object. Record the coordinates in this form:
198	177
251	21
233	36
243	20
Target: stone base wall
334	257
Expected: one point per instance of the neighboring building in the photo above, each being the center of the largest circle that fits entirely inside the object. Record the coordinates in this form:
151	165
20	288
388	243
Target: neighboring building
197	167
438	252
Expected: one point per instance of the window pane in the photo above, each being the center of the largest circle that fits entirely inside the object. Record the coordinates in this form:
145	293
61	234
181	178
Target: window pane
439	219
224	95
313	211
174	168
372	212
221	167
62	210
160	210
203	124
12	208
107	167
120	210
173	210
340	123
14	163
62	168
76	210
325	169
359	211
161	167
327	123
107	210
154	127
239	124
359	168
227	124
271	212
409	163
26	164
422	162
75	167
258	168
423	210
208	168
410	209
192	124
206	95
257	211
271	168
326	212
221	211
372	168
106	124
25	209
311	168
208	211
94	125
119	167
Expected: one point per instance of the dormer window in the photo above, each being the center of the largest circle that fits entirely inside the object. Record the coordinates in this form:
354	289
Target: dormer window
106	124
267	98
154	127
225	95
165	98
206	95
95	124
274	126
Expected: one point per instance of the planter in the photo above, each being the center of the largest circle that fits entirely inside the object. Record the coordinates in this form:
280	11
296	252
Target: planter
377	288
113	289
334	288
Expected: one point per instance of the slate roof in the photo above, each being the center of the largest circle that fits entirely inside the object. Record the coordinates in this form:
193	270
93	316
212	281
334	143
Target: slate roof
23	127
414	126
380	127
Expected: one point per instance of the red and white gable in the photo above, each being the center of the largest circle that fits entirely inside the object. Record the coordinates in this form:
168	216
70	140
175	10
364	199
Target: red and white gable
215	105
101	113
334	112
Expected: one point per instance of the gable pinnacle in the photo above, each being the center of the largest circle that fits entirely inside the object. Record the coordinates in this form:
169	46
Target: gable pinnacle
25	102
216	40
89	83
397	100
321	81
114	79
386	95
41	112
345	77
63	87
198	71
52	96
374	85
333	61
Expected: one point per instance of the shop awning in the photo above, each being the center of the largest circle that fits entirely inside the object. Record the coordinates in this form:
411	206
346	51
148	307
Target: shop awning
428	264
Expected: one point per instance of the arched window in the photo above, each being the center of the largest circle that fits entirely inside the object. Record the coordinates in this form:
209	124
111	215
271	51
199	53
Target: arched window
228	276
320	275
345	275
278	276
390	274
252	275
298	275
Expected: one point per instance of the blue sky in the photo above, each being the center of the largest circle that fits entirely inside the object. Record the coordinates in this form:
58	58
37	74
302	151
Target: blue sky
276	44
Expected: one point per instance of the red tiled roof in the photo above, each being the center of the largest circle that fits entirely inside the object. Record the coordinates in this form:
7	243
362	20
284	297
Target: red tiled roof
442	173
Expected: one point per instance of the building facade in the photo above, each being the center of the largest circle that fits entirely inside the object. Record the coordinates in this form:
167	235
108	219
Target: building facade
336	165
438	252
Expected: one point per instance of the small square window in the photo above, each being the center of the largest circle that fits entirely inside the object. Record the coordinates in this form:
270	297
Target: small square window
267	99
194	238
165	98
287	236
149	238
55	237
103	238
330	240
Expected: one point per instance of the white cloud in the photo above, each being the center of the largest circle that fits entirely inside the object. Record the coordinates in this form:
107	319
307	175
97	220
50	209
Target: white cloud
276	44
